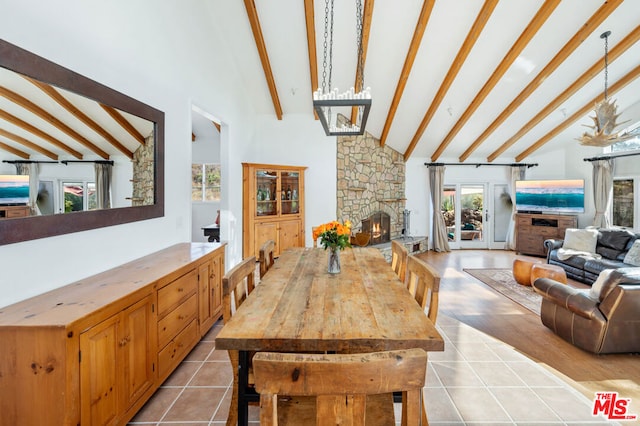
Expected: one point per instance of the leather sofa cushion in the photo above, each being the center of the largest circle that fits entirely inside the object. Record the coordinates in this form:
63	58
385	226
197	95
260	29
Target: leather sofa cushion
574	261
610	253
598	265
616	239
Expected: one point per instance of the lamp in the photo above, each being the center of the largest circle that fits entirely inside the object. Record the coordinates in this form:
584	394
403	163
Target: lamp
328	101
604	121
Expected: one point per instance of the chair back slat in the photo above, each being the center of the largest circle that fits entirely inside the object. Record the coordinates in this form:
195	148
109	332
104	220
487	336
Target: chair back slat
399	254
266	257
237	284
423	282
323	376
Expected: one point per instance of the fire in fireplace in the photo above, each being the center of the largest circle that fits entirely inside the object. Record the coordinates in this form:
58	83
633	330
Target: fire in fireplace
378	226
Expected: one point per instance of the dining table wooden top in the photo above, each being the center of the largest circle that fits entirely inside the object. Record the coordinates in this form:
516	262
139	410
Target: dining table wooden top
299	307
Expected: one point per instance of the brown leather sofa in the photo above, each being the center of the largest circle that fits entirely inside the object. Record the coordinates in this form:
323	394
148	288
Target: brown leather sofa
604	319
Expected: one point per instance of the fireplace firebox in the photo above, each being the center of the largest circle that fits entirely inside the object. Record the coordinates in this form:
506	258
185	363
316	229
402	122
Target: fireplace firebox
378	226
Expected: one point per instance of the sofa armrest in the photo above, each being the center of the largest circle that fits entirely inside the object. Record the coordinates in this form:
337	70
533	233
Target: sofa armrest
572	299
552	244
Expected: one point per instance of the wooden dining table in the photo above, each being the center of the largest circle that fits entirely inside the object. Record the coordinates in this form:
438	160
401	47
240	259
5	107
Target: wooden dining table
299	307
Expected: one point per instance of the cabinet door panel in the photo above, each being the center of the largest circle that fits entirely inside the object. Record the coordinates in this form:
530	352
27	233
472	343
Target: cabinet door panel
136	343
289	235
204	298
264	232
99	373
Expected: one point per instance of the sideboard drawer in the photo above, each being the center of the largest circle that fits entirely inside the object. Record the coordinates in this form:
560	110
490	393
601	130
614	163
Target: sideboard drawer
177	292
176	320
174	352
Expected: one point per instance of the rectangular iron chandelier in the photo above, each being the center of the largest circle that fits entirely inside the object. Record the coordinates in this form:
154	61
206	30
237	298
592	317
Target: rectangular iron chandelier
328	106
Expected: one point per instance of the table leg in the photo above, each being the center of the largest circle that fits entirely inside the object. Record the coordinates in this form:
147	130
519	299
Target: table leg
243	382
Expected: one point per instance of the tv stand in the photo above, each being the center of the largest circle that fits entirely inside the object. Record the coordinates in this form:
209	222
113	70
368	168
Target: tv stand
10	212
533	229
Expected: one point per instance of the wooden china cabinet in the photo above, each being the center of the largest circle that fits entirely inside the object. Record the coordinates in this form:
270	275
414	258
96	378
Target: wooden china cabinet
272	207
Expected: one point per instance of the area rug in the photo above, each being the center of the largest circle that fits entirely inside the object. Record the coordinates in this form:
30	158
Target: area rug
502	281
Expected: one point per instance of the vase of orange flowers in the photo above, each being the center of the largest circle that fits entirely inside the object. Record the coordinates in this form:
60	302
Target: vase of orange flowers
334	236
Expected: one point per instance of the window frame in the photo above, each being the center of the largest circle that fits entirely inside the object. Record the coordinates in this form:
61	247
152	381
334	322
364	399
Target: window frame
636	204
203	198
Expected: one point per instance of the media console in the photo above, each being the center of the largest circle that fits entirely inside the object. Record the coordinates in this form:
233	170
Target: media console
533	229
9	212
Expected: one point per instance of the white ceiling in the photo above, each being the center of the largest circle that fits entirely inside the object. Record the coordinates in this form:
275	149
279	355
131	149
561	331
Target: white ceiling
392	27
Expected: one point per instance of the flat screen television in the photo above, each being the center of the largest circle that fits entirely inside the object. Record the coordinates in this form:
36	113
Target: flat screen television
14	190
550	196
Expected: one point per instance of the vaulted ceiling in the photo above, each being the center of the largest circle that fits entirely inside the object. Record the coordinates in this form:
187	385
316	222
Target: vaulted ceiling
469	80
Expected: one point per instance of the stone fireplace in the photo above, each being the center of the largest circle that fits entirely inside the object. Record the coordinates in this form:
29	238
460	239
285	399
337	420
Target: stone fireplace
371	180
378	227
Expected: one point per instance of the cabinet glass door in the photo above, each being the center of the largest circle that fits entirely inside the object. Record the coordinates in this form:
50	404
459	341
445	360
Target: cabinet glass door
266	193
289	192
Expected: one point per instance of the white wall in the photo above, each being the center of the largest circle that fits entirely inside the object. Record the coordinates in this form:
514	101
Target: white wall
158	59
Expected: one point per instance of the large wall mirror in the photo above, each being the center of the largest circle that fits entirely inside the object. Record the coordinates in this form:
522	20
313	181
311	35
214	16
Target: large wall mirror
94	157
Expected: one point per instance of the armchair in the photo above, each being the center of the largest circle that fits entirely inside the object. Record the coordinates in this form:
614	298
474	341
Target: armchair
603	319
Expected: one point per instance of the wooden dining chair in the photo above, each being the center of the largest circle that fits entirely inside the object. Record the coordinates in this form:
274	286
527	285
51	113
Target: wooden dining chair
399	254
266	257
423	282
338	400
237	284
315	240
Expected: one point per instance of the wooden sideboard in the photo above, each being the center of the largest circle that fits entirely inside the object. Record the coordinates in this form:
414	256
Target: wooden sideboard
10	212
94	351
533	229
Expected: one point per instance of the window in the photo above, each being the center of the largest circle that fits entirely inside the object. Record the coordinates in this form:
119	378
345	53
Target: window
78	196
205	182
623	211
632	144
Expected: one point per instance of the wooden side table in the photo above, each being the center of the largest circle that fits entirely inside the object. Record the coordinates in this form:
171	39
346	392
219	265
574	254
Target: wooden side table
544	270
522	271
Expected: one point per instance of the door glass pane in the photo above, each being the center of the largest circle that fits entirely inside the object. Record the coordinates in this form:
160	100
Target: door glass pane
449	211
502	209
471	212
290	192
92	196
266	193
73	196
623	202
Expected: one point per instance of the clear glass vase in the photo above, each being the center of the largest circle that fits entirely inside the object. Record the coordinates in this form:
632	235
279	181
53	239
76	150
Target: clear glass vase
333	266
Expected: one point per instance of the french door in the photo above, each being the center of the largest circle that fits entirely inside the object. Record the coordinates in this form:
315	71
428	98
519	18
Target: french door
476	215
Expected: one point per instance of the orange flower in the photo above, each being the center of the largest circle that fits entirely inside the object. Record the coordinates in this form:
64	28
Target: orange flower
333	234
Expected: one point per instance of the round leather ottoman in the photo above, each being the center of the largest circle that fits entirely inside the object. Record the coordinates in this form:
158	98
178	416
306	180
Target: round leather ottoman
522	271
544	270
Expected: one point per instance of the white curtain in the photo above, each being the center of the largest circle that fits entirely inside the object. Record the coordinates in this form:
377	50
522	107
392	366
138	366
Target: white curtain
436	182
602	187
33	170
517	173
103	184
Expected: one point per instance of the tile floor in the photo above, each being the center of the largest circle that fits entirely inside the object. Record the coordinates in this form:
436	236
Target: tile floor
477	380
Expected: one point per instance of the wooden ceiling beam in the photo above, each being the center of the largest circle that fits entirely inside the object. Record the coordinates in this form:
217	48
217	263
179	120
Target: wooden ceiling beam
421	26
527	35
252	13
587	76
14	151
619	85
63	102
309	18
41	134
122	121
51	119
367	13
469	42
591	25
28	144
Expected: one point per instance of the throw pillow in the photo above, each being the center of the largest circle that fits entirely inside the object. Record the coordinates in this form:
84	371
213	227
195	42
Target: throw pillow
633	255
596	287
580	240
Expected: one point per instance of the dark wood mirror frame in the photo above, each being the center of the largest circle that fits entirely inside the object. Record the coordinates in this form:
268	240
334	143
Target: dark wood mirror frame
30	228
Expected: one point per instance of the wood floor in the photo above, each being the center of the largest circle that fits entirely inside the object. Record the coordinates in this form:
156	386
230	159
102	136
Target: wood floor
464	298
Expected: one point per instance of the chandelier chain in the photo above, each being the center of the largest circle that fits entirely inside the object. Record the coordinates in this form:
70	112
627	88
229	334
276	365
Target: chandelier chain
360	66
326	36
606	64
